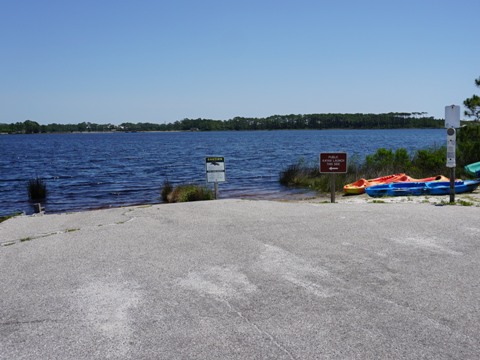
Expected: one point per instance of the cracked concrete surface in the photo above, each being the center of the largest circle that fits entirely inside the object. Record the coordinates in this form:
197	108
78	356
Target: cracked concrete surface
240	279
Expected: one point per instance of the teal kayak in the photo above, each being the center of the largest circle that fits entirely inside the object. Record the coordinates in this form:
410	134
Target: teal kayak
473	169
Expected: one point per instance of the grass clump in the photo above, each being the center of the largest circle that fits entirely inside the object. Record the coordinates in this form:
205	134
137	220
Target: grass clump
6	217
301	175
465	202
185	193
378	202
37	189
304	175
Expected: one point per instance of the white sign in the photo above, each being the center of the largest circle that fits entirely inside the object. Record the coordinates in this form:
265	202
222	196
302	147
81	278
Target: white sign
452	116
215	168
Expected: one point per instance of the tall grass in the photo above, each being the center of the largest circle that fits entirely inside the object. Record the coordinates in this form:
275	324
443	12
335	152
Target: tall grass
37	189
184	193
303	175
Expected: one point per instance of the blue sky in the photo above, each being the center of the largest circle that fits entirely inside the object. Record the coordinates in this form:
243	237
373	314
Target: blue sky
114	61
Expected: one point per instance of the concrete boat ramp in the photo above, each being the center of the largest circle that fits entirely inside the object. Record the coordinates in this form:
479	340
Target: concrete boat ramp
236	279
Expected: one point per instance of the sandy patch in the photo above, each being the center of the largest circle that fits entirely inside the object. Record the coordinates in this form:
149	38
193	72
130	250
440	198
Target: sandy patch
470	199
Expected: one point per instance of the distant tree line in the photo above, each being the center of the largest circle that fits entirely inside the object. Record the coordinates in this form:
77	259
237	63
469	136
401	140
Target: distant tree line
33	127
274	122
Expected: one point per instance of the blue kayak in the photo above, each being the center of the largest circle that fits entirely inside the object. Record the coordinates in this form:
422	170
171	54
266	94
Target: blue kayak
421	188
396	189
443	187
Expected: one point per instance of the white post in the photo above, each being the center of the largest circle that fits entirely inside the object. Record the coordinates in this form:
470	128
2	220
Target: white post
452	121
215	187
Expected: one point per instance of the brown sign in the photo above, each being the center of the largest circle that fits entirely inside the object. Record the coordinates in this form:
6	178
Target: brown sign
333	163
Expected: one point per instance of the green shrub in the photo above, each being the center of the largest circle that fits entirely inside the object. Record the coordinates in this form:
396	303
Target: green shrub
380	162
304	175
189	192
424	163
468	146
385	161
297	174
37	189
429	162
402	162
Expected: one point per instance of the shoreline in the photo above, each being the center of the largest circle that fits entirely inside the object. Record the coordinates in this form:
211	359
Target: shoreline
471	199
466	199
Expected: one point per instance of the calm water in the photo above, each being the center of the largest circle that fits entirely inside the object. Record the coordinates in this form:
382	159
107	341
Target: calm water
85	171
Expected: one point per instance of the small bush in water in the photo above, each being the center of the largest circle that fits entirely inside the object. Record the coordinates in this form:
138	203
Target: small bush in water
37	189
184	193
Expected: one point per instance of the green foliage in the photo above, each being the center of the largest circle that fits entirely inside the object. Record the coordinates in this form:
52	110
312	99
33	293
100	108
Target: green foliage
402	161
473	107
312	121
274	122
305	175
31	127
468	145
189	192
429	162
424	163
37	189
465	202
380	163
298	174
473	104
385	161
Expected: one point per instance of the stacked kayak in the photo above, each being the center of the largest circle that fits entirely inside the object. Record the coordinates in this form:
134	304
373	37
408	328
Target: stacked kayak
473	169
359	186
421	188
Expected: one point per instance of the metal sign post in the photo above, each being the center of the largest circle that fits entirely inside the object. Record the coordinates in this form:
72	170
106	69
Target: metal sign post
333	163
452	121
215	169
451	160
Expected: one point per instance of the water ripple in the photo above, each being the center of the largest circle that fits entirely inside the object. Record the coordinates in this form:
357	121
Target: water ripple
85	171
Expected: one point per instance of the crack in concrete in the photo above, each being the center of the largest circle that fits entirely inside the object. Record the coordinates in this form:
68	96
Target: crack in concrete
259	330
40	321
70	230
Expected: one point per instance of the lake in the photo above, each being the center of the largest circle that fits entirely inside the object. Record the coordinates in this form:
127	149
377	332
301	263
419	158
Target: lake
97	170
